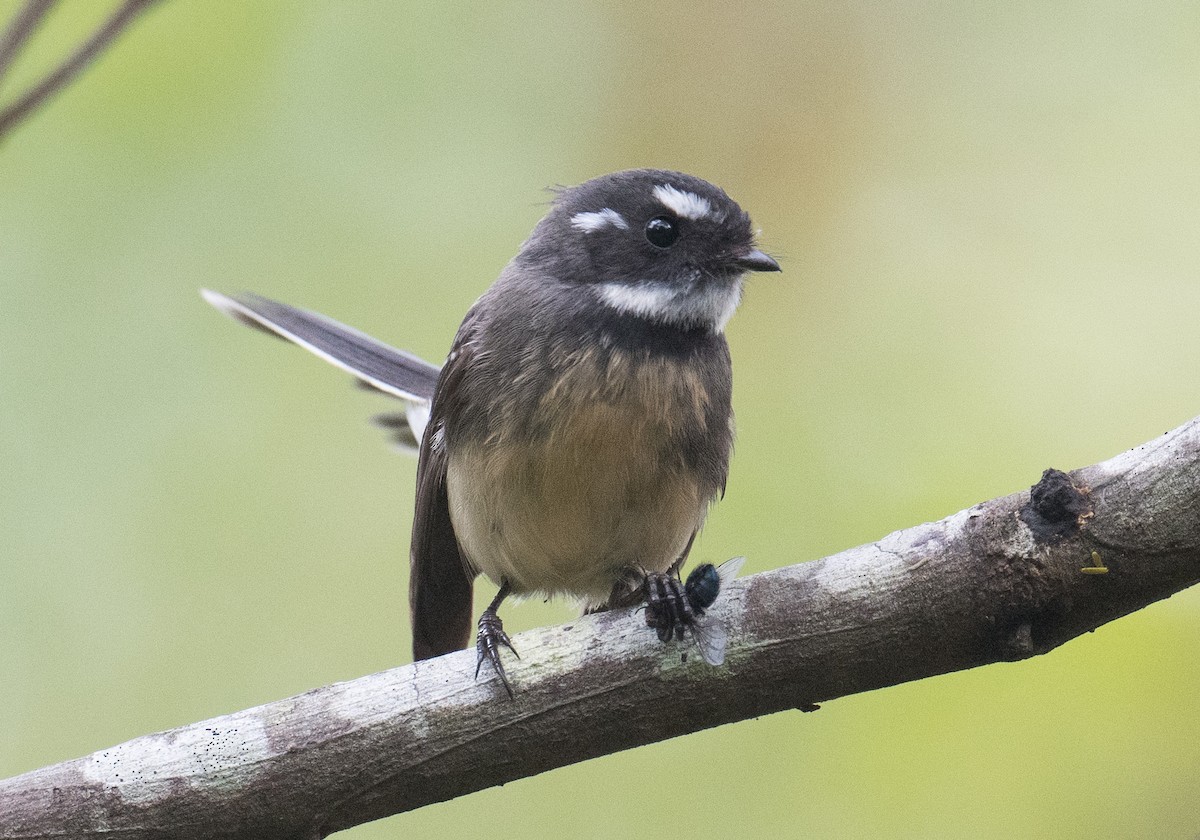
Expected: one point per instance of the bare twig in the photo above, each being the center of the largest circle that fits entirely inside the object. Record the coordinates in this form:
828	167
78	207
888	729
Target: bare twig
1006	579
24	23
72	65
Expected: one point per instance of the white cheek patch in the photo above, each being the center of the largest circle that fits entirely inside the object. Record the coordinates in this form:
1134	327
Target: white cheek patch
709	306
592	221
648	301
683	203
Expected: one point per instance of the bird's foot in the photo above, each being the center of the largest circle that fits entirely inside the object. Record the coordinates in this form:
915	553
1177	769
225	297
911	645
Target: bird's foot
628	590
668	610
487	645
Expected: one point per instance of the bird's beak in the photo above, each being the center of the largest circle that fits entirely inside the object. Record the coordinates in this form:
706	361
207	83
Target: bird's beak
756	260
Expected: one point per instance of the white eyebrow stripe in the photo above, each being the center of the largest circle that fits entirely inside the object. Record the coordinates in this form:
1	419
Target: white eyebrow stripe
594	220
683	203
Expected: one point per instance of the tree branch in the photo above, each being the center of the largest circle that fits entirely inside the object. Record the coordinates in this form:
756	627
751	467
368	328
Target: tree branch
22	28
1004	580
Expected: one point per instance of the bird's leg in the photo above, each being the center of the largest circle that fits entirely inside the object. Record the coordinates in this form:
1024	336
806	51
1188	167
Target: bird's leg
491	636
628	589
667	608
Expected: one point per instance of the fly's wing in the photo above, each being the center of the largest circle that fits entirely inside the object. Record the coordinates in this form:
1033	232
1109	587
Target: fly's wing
373	363
709	632
711	638
728	570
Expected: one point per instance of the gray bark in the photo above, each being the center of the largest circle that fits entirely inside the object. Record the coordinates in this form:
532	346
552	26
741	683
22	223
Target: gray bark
1002	580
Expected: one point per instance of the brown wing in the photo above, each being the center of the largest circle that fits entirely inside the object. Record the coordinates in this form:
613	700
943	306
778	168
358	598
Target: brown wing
439	584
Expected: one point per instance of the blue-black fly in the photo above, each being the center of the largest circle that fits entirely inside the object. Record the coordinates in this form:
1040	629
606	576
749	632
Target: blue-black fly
673	608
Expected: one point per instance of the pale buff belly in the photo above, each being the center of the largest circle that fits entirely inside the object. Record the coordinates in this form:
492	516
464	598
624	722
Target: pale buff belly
570	513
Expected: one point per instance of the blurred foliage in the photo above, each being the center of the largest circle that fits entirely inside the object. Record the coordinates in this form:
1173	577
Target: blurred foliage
987	215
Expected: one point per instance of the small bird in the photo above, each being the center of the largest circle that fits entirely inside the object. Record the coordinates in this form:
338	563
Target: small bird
582	425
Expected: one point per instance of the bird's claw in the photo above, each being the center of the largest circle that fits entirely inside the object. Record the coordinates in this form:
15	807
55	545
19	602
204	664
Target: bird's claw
667	608
487	646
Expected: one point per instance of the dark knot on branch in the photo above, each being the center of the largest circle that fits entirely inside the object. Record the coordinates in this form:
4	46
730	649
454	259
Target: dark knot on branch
1057	507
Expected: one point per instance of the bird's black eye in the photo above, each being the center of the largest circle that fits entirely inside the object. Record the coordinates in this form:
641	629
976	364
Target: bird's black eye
662	231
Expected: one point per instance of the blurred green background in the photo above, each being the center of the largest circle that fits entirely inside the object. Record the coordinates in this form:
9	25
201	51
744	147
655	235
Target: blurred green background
988	216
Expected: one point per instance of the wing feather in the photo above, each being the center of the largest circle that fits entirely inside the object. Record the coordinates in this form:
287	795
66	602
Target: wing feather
440	579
